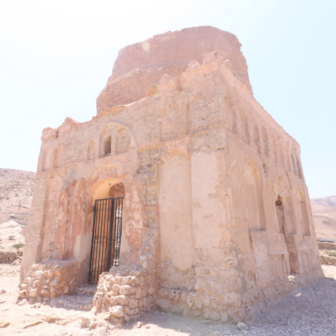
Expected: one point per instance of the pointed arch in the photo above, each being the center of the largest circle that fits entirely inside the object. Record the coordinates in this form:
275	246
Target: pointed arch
265	141
283	206
281	154
299	167
294	163
256	138
275	149
105	147
254	199
287	157
303	213
244	126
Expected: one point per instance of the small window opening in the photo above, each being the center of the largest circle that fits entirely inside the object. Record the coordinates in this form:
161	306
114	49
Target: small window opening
280	214
107	146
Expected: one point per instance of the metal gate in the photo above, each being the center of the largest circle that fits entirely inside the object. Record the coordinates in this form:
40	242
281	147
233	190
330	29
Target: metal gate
106	236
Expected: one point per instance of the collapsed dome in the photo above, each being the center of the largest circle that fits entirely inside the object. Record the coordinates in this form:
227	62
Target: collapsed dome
141	65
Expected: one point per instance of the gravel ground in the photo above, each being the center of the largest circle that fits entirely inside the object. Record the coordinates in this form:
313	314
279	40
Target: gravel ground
310	311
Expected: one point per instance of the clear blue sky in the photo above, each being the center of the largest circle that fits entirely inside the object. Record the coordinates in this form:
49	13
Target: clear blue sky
56	56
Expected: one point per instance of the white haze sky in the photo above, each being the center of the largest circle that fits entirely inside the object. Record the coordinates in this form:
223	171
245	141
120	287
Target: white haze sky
56	56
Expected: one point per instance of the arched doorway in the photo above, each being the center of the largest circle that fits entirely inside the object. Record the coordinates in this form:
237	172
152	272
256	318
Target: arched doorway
285	221
107	227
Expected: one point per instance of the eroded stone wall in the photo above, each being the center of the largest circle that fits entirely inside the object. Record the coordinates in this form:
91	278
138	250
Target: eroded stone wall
216	217
48	280
126	292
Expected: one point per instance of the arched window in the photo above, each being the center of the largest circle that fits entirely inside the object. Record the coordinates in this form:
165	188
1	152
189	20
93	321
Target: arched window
107	146
105	142
284	207
280	214
299	168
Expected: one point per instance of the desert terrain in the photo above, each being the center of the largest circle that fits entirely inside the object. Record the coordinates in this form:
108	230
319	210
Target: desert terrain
324	214
16	192
309	311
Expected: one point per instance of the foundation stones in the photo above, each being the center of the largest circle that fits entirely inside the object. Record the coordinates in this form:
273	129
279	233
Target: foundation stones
124	294
49	280
117	311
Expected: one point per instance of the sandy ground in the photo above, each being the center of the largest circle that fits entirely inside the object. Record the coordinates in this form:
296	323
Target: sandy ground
310	311
10	234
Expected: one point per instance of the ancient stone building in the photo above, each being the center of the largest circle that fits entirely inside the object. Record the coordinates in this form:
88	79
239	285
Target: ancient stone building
182	193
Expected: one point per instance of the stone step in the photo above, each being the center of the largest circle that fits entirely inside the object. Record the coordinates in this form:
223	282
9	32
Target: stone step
75	301
87	289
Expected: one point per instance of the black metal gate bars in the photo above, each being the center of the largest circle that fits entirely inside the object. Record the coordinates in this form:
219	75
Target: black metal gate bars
106	236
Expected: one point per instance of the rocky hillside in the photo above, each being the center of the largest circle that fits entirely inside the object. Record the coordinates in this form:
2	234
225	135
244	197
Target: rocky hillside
16	190
324	214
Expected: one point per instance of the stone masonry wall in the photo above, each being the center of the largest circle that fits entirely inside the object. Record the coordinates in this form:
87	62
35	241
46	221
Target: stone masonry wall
49	279
326	246
133	86
327	260
125	293
238	162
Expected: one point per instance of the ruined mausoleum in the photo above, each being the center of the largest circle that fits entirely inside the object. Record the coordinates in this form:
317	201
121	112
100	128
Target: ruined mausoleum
181	194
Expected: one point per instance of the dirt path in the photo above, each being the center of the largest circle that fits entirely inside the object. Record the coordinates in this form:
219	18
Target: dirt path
310	311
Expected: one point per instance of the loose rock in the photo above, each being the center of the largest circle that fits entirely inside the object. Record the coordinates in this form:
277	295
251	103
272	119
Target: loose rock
51	318
242	326
32	324
4	324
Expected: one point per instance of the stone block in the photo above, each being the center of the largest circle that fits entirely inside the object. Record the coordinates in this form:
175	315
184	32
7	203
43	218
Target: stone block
133	303
232	299
164	305
116	288
126	290
122	300
117	311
